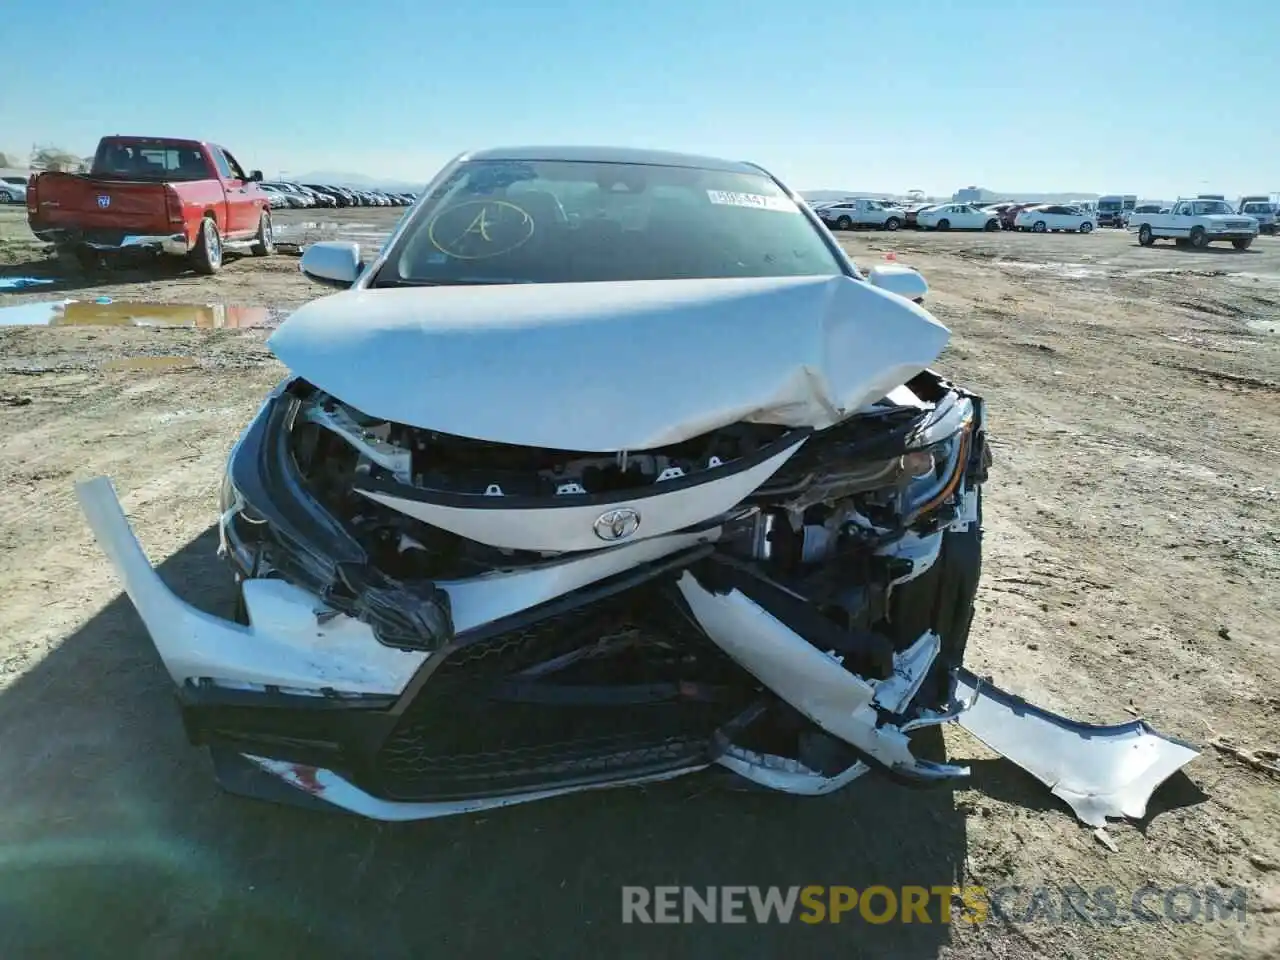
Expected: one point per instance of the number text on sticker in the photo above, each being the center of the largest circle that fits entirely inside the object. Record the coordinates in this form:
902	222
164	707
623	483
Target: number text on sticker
757	200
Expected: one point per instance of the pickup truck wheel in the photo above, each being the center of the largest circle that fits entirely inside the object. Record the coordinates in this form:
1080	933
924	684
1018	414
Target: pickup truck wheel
1039	227
207	256
893	223
844	223
1241	244
4	196
1145	237
264	244
1199	239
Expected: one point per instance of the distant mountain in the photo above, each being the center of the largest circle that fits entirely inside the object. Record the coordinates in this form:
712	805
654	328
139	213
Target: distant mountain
357	181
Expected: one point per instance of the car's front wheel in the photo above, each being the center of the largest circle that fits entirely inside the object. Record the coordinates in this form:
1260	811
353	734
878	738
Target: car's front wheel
1145	237
893	223
993	225
1086	227
1039	227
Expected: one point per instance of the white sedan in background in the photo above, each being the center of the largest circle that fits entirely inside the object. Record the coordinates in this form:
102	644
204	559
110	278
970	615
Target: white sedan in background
957	216
13	190
1054	217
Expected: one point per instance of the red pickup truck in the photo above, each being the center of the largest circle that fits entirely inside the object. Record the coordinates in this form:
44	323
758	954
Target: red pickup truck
153	195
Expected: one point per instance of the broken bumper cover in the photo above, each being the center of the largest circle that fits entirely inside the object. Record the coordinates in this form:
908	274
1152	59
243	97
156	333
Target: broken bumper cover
304	704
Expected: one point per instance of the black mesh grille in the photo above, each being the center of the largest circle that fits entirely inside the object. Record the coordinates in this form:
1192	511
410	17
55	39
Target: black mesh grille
456	740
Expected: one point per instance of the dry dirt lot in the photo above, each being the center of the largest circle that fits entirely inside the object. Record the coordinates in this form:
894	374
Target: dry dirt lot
1133	569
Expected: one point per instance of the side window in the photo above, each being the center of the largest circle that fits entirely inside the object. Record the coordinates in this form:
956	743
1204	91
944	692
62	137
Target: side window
237	172
220	162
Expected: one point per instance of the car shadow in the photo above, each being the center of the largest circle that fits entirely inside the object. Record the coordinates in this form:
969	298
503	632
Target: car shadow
118	842
1216	251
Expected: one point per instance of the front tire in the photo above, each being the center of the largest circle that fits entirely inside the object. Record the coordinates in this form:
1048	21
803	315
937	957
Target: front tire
1086	227
264	243
893	223
993	225
206	258
1145	237
1039	227
1241	244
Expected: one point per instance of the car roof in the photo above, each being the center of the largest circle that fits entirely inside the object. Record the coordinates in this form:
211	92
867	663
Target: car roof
660	158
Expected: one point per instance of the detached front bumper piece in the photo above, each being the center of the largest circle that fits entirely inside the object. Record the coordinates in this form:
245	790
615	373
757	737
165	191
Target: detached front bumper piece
678	660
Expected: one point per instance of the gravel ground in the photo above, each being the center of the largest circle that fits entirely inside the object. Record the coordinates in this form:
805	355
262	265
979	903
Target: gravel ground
1133	554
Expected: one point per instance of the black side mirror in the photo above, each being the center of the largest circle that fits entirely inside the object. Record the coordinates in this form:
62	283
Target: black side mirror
255	176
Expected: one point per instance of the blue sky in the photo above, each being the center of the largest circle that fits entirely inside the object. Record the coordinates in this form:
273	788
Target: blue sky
1157	97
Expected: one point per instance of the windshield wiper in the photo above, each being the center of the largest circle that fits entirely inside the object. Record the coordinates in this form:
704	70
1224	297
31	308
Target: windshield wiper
455	282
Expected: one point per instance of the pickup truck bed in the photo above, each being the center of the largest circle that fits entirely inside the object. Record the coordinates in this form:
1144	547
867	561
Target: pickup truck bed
149	195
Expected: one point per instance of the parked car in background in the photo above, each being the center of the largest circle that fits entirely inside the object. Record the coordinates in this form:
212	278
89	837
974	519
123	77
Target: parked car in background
1009	218
1264	212
339	199
297	198
911	215
317	199
276	199
1197	223
848	214
13	190
153	195
957	216
1111	210
281	198
1145	207
1054	218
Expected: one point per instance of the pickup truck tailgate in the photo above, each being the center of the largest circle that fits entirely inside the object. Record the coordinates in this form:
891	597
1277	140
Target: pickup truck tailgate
89	203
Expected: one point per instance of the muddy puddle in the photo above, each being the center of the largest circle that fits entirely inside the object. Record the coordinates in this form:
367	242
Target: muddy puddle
295	236
105	312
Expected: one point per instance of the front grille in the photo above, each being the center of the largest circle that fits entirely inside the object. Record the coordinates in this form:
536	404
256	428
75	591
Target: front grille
457	740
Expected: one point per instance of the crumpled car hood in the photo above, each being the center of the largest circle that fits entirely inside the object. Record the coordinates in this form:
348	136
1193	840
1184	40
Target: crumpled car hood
611	366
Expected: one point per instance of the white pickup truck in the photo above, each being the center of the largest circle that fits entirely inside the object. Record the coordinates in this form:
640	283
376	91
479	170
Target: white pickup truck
862	212
1195	222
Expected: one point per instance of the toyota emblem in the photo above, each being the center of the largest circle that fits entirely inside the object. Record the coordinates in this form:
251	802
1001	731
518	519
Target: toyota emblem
104	201
617	524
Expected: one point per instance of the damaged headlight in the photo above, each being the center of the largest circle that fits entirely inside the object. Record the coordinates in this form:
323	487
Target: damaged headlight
934	473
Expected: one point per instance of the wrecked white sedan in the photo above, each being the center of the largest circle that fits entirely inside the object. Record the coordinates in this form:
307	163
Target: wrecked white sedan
610	467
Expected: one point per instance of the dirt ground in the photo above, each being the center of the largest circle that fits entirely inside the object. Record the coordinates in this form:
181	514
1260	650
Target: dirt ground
1132	569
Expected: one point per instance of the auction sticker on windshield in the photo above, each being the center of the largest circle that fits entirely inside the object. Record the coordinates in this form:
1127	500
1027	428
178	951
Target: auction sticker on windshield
757	200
